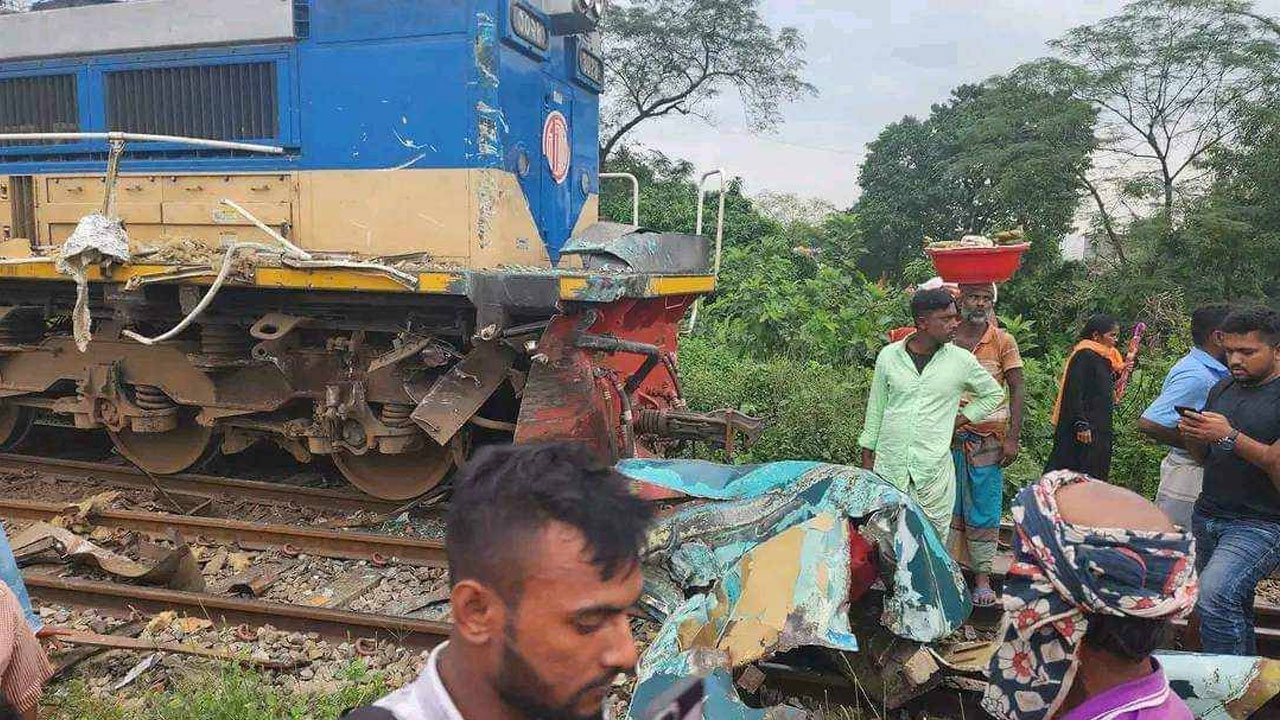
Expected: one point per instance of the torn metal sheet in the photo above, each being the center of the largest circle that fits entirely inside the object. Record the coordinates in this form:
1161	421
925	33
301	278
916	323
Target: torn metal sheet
926	598
176	568
613	247
256	581
721	701
97	239
766	555
459	393
783	594
562	396
1222	687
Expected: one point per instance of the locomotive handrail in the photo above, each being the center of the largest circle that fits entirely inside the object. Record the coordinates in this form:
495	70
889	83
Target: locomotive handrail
702	195
635	193
142	137
702	198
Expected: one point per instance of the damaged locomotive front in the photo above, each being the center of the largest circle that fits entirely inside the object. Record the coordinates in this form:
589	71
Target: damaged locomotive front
367	231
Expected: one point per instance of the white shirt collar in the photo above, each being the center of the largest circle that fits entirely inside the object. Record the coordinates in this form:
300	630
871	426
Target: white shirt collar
426	698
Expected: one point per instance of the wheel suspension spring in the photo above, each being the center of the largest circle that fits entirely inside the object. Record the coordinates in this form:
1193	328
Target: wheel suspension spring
224	341
150	397
396	415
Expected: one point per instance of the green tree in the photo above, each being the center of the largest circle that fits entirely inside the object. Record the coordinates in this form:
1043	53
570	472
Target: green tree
998	155
902	197
1229	247
1169	78
677	56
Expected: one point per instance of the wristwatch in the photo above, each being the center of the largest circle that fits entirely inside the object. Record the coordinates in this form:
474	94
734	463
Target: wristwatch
1228	443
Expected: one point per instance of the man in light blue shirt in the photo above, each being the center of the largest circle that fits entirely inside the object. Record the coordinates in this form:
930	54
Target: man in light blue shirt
1186	385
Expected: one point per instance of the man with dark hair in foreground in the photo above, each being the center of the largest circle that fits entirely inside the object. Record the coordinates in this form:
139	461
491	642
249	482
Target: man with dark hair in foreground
544	548
1237	518
1098	575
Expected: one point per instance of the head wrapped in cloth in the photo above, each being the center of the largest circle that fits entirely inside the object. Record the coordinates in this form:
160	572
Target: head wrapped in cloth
1063	573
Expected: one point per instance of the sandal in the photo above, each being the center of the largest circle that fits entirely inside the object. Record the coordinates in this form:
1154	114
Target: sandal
985	597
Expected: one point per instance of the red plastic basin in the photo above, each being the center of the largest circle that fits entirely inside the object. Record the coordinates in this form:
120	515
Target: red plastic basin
978	265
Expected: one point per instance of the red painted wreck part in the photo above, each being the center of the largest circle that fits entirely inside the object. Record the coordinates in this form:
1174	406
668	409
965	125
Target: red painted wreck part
562	397
863	569
654	321
574	394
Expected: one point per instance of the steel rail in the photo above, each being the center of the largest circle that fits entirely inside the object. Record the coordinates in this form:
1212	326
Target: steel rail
332	624
206	486
326	543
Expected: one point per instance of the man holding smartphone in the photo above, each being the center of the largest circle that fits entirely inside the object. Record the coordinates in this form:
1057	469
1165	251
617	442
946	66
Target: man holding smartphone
1185	387
1237	518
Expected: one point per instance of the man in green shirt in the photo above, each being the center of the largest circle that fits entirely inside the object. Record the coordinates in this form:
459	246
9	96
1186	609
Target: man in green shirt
914	407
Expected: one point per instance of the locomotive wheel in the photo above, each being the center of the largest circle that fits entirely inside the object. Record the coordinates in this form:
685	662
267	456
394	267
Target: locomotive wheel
15	423
186	446
400	476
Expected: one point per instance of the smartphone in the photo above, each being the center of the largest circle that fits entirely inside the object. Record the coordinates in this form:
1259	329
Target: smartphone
1183	410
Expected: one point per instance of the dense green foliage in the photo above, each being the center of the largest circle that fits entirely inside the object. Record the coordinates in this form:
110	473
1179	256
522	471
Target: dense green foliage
806	296
1002	154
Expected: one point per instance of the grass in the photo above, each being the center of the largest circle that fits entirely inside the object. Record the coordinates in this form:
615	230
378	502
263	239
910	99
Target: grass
225	693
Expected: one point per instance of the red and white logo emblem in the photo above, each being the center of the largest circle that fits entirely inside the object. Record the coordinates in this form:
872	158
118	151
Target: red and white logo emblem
555	145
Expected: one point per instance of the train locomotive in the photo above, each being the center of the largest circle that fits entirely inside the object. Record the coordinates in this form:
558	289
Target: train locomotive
361	229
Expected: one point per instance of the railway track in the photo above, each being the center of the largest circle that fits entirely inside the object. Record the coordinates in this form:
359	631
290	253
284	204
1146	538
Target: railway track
377	552
326	543
195	485
329	623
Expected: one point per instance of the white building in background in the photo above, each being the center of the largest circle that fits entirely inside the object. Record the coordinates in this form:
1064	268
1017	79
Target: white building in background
1076	247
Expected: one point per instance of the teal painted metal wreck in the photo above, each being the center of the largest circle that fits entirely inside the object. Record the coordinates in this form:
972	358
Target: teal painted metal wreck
760	563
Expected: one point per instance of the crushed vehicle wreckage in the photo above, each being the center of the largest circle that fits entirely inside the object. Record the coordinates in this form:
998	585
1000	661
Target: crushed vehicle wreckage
835	569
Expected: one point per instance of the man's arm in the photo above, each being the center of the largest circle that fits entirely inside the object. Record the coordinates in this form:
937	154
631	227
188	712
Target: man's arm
1210	427
1017	396
868	459
870	437
1160	433
1197	450
1160	420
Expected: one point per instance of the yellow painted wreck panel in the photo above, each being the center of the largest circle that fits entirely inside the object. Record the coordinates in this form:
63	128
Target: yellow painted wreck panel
681	284
577	287
572	287
769	573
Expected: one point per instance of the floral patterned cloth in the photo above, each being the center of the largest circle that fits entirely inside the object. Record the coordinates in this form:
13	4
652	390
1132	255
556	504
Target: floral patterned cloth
1061	574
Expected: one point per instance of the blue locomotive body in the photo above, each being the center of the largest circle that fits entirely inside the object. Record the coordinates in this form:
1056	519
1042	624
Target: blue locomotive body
347	85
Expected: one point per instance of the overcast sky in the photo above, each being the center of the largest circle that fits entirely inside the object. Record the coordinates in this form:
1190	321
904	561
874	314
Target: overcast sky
873	62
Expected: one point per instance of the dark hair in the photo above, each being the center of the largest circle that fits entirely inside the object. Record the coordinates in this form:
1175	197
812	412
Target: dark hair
1260	319
1099	324
1205	320
927	301
1125	637
508	494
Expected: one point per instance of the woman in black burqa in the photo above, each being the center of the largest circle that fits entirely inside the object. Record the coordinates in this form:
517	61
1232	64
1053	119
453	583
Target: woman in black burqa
1083	435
